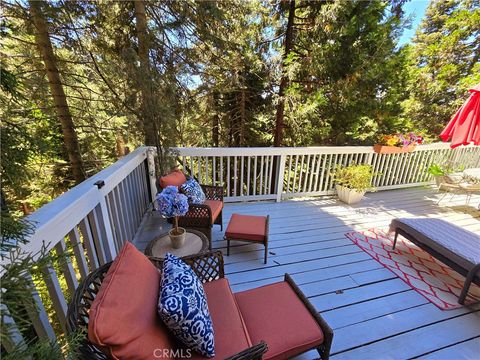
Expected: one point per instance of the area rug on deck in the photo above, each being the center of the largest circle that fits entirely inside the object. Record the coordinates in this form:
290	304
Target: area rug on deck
431	278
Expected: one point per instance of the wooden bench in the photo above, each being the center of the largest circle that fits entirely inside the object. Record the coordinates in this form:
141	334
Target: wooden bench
456	247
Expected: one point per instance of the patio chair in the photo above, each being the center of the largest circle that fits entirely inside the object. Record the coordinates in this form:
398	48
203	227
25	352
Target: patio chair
275	321
452	245
468	189
199	217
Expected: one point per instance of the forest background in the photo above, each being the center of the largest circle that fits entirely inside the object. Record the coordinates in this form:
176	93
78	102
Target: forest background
84	82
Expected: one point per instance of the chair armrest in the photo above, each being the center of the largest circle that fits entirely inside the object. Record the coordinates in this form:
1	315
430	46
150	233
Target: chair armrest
208	266
213	192
326	329
252	353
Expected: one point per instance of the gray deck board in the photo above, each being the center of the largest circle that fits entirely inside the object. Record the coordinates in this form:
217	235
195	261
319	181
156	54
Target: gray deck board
375	315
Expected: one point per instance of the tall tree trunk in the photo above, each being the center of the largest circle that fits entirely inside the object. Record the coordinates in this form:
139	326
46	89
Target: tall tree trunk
279	118
215	120
243	116
146	86
45	48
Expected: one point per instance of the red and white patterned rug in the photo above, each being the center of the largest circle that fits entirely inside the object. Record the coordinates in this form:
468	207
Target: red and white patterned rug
431	278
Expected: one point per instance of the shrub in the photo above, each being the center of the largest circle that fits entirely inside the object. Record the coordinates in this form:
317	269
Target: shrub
355	176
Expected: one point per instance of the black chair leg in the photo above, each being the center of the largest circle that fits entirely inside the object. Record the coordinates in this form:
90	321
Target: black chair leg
470	276
395	239
266	254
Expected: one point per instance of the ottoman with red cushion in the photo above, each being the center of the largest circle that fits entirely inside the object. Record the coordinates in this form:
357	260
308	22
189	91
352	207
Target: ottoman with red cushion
248	228
280	315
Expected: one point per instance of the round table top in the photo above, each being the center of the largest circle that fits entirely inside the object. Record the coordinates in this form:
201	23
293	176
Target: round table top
195	243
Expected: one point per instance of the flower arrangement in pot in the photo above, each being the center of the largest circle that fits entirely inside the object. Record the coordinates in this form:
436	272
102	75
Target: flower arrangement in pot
352	182
398	143
172	204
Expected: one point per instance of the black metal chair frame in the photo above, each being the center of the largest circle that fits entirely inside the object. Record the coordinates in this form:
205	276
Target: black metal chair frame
470	275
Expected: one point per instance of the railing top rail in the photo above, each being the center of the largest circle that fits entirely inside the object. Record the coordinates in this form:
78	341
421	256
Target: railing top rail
259	151
53	220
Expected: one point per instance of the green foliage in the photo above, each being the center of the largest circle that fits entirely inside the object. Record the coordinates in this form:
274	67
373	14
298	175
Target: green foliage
444	169
355	176
214	72
436	170
443	63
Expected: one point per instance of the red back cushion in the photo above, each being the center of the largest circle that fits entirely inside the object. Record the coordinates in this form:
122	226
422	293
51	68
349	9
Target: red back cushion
123	318
175	178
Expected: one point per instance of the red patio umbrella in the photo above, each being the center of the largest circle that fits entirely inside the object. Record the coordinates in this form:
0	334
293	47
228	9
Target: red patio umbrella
464	127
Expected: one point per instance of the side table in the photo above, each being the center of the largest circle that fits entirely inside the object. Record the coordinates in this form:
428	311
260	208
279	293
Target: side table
195	243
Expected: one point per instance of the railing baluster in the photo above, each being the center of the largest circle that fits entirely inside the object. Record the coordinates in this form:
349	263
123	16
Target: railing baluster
214	171
78	252
222	181
112	221
255	175
242	170
66	266
300	173
56	295
260	185
228	176
38	314
207	179
334	163
235	176
85	230
270	172
308	169
280	176
320	186
95	224
248	176
14	340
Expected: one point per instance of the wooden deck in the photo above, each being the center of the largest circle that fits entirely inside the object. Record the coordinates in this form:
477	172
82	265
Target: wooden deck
374	314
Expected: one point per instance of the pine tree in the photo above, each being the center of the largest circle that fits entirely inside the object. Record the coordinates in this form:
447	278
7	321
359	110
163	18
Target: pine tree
444	62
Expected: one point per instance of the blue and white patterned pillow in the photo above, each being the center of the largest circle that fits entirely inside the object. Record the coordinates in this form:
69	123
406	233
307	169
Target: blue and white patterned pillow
182	306
192	189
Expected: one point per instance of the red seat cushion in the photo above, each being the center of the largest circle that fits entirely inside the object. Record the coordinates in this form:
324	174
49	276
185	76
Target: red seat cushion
246	227
175	178
123	318
231	335
275	314
216	206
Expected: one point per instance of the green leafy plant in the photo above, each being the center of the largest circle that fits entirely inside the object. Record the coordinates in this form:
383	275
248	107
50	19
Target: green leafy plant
446	169
355	176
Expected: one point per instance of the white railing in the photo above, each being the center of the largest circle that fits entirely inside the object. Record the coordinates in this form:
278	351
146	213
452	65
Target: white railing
88	224
94	219
280	173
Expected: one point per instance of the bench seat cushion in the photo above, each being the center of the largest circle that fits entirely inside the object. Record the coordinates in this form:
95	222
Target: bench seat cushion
231	335
274	313
246	227
216	206
459	245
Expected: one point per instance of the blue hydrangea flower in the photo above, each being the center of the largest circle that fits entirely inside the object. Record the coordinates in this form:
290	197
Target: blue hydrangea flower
171	203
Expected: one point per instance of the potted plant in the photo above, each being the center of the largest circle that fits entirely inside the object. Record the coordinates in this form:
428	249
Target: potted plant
446	173
352	182
398	143
172	204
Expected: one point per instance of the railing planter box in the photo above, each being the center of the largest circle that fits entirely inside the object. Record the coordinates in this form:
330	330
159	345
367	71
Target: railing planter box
349	196
385	149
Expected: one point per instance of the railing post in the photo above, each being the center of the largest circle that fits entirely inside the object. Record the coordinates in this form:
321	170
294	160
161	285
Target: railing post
151	173
280	176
